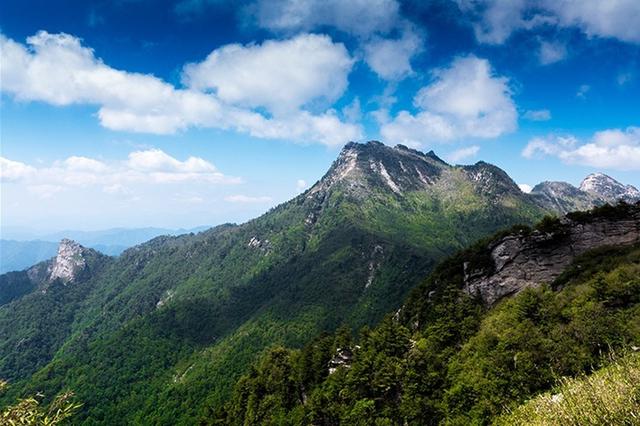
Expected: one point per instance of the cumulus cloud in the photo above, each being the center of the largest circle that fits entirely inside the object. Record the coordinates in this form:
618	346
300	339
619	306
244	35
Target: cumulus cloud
617	149
538	115
463	154
151	166
14	170
370	21
614	18
494	21
246	199
466	99
58	69
391	58
281	76
357	17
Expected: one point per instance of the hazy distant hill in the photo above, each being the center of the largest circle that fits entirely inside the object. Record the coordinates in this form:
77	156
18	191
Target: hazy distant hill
18	254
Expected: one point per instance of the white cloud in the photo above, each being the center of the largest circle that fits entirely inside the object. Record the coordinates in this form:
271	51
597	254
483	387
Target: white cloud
494	21
352	112
538	115
58	69
14	170
281	76
608	149
391	58
368	20
612	18
161	167
142	167
245	199
465	100
551	52
357	17
84	164
463	154
526	188
549	146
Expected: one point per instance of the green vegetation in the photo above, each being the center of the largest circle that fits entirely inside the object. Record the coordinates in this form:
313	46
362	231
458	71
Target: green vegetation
30	411
446	359
167	333
162	333
610	396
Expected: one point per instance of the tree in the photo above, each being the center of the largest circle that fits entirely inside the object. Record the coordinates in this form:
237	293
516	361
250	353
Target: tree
30	412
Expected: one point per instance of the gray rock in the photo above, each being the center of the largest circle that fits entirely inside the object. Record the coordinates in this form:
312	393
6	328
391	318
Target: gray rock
68	263
524	261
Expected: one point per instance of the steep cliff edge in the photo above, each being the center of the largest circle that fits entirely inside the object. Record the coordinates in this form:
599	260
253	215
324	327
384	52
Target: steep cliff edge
532	258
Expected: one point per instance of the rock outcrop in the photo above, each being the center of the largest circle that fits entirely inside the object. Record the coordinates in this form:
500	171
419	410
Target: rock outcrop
531	259
68	263
342	358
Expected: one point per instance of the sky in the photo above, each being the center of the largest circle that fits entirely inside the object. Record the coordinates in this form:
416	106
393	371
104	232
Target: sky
198	112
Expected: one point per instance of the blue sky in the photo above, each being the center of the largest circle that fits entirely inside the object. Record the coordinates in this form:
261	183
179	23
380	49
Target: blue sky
182	113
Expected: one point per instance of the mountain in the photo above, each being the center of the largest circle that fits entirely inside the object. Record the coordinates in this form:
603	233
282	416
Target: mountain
564	197
609	189
17	254
462	353
161	333
595	190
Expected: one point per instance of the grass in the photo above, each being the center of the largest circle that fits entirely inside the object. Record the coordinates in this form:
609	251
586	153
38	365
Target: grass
610	396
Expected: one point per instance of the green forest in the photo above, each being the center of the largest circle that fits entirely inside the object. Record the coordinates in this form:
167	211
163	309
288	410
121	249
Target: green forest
445	358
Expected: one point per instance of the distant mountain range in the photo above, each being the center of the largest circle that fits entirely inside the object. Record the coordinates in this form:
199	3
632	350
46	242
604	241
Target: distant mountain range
161	333
20	249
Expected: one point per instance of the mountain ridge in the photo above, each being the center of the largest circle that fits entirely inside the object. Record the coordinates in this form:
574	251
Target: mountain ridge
180	318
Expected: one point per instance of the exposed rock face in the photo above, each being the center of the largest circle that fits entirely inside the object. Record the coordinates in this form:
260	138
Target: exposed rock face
68	263
399	169
523	261
564	197
342	358
491	180
606	187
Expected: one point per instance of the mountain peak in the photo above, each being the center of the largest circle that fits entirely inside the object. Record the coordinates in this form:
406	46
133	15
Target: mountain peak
69	261
606	187
362	166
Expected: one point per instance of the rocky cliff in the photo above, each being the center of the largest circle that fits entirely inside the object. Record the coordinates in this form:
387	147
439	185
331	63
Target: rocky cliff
68	264
530	259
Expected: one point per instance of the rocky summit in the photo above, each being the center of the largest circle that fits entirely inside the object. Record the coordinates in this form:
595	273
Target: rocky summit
563	197
609	189
68	263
